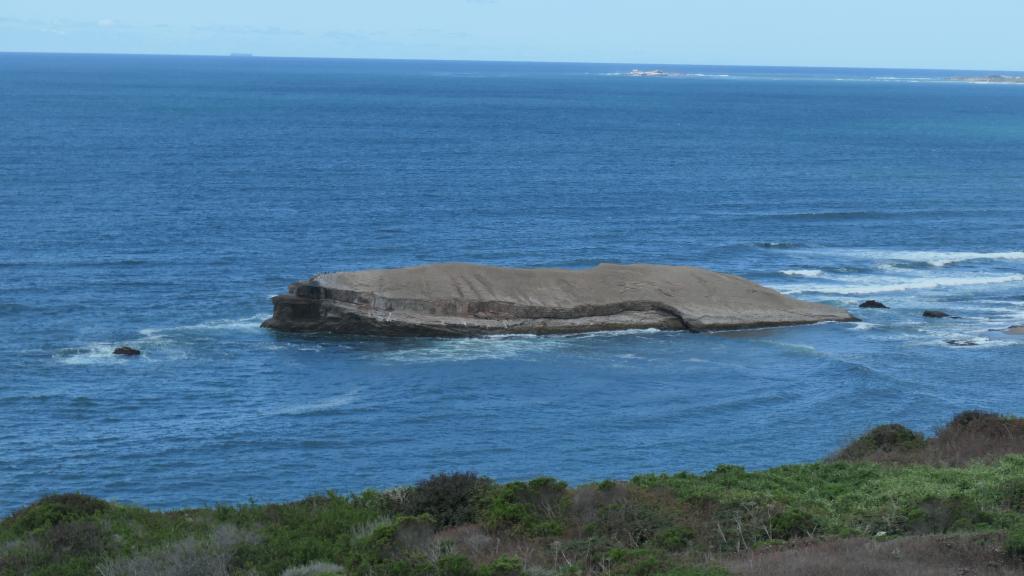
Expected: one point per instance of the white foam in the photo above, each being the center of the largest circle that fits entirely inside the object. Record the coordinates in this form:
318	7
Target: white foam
809	273
95	353
937	259
462	349
325	405
248	323
881	284
973	342
609	333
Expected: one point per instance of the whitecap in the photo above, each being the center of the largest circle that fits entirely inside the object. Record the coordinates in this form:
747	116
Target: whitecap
878	285
322	406
809	273
462	349
248	323
91	354
937	259
973	342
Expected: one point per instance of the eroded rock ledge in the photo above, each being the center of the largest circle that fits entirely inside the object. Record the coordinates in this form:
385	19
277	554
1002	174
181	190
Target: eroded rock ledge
473	300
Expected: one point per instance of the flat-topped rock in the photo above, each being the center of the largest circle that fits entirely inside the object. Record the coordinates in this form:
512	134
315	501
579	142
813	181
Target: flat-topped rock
473	300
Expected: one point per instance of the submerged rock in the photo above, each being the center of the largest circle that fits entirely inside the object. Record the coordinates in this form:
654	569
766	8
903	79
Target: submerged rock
127	351
472	300
872	304
934	314
961	342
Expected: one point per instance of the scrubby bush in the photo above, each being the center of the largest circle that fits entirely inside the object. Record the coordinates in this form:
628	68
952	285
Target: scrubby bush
977	436
315	569
504	566
54	509
451	499
793	524
674	538
406	538
883	443
531	508
637	562
941	515
1015	543
188	557
456	566
631	517
1011	494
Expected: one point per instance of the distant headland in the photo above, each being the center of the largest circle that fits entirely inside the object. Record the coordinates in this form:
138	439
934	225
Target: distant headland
993	79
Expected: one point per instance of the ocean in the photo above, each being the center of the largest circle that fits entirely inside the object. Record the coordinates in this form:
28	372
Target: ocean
159	202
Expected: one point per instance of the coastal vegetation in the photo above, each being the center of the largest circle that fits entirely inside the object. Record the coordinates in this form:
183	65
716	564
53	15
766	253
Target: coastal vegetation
892	502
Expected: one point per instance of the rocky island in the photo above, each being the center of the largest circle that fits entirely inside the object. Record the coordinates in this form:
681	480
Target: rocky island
474	300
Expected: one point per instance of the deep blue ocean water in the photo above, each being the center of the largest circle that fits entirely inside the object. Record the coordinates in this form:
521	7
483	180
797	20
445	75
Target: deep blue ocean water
159	202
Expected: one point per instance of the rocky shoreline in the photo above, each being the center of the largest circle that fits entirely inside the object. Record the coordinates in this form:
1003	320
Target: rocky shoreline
473	300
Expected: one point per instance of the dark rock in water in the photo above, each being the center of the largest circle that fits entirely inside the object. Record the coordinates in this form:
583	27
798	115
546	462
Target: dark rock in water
936	314
1016	330
126	351
472	300
872	304
961	342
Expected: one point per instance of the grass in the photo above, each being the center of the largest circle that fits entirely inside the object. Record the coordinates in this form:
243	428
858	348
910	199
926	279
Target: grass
893	502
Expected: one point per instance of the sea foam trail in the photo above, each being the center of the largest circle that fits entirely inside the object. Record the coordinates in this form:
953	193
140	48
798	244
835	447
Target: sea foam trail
248	323
937	259
811	273
325	406
898	284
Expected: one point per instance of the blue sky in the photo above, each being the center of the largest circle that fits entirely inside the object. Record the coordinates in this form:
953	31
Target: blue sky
983	34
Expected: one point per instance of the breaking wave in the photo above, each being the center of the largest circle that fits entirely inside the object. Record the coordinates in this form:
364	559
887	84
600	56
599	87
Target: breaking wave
936	259
881	285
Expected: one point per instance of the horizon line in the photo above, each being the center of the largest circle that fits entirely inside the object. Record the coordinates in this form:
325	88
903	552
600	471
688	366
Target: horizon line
244	55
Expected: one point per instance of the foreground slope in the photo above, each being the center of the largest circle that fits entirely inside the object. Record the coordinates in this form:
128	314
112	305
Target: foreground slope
472	300
894	502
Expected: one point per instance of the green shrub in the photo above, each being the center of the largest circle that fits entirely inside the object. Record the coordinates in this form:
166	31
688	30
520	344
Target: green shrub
1015	543
727	474
637	562
940	515
531	508
188	557
881	441
407	537
504	566
54	509
1011	494
793	524
456	566
674	539
451	499
315	569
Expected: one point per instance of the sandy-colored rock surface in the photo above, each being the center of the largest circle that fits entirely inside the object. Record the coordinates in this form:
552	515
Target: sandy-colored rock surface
472	300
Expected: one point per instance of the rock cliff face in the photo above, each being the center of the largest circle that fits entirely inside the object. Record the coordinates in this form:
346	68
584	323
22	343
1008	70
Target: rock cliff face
472	300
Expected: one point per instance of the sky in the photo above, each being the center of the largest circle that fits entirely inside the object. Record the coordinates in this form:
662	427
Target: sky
950	34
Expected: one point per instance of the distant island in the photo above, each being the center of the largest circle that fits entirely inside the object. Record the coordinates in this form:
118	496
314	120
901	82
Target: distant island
638	73
993	79
458	299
